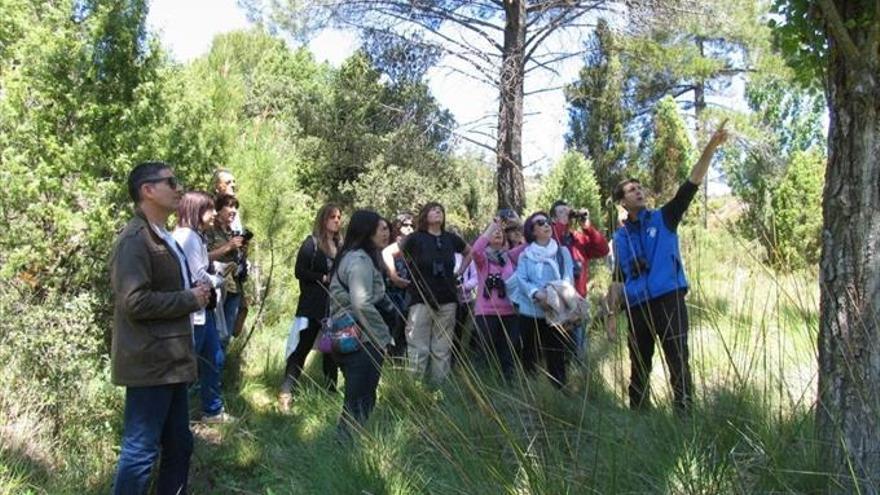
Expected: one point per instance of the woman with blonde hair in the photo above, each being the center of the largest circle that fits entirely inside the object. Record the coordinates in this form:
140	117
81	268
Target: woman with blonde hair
314	263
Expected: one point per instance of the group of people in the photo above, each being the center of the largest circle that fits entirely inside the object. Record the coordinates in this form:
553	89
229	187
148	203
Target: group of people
177	303
407	284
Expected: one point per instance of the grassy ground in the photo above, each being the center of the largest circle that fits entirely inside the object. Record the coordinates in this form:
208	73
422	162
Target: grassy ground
753	353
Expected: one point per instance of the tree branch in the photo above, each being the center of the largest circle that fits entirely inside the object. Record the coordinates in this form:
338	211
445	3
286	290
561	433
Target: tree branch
839	32
483	79
559	58
543	90
562	19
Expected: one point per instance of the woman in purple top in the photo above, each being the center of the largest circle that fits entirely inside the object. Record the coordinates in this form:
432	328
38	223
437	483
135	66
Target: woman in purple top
495	315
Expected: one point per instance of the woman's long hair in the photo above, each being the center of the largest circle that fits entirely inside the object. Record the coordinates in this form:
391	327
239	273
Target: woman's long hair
319	229
361	227
422	221
192	206
397	224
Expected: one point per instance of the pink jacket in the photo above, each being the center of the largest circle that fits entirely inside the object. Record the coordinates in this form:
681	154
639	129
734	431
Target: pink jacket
492	305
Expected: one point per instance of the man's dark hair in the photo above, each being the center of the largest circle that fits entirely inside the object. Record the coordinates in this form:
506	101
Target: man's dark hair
556	204
618	192
140	174
225	200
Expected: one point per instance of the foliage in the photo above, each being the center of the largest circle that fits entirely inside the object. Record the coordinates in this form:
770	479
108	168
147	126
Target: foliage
672	152
692	51
56	403
572	179
464	187
797	211
800	36
596	112
786	121
495	43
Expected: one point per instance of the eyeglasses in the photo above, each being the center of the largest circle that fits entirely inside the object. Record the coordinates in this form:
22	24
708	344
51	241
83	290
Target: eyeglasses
172	181
540	222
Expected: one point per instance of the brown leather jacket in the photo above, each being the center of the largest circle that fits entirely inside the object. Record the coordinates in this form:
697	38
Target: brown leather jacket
152	333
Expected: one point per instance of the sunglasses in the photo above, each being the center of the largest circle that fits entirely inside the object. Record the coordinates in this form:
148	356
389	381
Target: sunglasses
172	181
540	222
406	225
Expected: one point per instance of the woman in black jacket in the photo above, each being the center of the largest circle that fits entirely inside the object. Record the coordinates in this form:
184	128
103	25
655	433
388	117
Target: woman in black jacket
314	262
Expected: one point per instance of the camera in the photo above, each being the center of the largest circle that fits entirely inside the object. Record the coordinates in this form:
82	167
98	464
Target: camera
639	266
438	269
247	234
212	302
580	214
494	282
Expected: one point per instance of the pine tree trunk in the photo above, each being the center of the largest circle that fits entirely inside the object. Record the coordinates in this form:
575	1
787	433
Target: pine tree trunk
511	188
848	412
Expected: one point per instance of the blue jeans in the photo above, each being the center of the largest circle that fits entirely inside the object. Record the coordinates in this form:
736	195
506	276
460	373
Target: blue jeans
156	420
581	344
499	339
231	303
211	360
361	370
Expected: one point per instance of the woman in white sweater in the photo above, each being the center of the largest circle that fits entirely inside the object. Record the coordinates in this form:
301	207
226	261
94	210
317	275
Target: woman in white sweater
195	214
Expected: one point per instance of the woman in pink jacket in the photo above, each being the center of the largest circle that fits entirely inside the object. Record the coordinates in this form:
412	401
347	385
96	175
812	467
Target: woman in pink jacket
496	317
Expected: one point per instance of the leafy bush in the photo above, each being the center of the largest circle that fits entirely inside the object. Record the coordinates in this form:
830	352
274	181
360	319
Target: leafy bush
572	179
797	212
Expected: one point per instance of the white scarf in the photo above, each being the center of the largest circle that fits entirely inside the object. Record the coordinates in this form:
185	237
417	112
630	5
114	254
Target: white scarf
545	255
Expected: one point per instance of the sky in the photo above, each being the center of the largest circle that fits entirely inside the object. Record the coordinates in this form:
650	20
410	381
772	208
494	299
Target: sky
187	28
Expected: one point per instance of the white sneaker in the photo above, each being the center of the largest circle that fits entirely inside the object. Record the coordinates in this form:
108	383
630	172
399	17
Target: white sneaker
219	418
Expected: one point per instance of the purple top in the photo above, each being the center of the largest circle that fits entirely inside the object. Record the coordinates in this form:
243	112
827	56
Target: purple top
491	305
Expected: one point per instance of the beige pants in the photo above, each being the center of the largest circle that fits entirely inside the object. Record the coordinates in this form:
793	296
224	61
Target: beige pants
429	339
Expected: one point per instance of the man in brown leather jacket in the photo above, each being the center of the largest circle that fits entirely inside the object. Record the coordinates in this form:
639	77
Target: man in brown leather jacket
152	351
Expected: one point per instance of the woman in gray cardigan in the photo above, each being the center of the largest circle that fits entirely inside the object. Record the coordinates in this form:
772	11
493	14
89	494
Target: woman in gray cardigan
357	286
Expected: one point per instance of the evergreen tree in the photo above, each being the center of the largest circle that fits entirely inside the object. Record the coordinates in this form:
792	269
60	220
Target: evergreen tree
672	152
597	116
571	179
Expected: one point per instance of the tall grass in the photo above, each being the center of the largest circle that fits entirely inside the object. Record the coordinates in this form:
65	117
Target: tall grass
753	354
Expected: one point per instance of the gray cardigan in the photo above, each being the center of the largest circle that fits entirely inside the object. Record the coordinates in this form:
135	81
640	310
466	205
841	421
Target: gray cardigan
365	288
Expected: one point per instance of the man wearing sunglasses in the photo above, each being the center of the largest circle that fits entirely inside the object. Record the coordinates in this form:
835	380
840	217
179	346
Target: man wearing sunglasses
152	350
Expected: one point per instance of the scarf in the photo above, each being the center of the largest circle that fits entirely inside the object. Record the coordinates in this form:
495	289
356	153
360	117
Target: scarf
496	256
545	255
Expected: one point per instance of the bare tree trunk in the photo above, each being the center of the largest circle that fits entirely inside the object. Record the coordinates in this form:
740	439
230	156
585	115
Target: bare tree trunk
848	413
511	188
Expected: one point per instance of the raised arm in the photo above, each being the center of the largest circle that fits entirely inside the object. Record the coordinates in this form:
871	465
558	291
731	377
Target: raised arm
698	173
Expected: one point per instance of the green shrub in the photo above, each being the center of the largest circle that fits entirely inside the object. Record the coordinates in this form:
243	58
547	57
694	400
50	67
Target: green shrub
572	179
797	212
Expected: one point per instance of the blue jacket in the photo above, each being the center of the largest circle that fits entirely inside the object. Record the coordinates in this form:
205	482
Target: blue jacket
652	241
533	275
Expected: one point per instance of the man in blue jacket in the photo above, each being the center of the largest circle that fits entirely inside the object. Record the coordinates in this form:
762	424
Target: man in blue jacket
650	282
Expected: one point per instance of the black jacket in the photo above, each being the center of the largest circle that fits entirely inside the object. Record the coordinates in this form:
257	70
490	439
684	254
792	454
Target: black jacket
311	266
